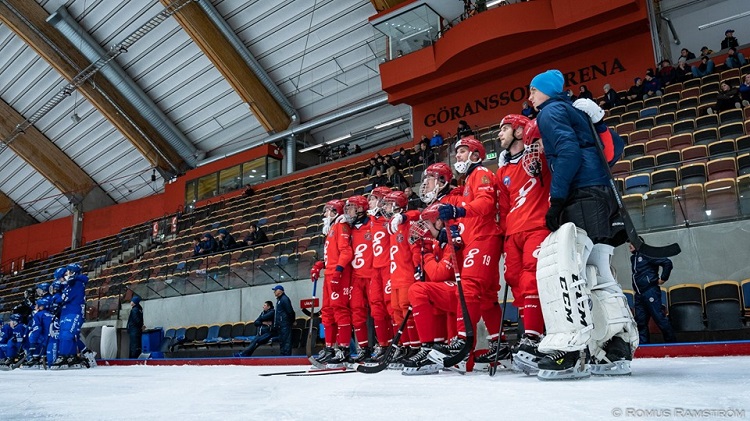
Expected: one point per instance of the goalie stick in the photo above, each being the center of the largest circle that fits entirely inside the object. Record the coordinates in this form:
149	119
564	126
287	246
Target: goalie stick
651	251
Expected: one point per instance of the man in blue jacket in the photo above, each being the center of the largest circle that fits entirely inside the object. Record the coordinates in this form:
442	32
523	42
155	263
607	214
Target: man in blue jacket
264	329
589	327
646	283
283	320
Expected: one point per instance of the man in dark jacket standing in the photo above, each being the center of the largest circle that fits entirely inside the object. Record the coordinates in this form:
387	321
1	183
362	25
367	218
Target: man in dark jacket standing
646	283
264	329
135	326
283	320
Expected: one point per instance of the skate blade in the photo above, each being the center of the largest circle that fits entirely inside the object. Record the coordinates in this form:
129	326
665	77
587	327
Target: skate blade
437	357
335	365
617	368
396	366
420	371
574	373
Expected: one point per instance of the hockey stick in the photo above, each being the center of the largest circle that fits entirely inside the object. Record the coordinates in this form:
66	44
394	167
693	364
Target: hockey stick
286	373
651	251
493	367
309	346
371	369
457	358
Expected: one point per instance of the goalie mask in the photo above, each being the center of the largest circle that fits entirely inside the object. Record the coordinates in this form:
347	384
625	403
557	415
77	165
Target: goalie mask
532	157
355	209
463	157
394	202
436	177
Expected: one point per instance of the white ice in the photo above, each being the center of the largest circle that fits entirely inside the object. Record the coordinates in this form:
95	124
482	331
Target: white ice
238	393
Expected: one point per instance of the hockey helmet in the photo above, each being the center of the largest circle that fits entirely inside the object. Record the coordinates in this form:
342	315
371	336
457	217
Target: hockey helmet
531	133
398	201
44	286
56	287
380	191
431	213
357	202
474	146
335	205
16	317
515	121
59	273
42	302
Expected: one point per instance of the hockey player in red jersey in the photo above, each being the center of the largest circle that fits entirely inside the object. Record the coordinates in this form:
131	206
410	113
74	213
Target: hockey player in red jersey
481	234
362	272
402	267
436	184
335	313
379	292
523	196
433	301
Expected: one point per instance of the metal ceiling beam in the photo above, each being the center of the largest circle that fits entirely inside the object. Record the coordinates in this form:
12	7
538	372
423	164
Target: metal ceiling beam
218	48
28	20
48	160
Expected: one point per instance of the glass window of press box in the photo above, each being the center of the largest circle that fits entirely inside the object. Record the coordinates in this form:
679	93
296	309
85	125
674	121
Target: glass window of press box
410	30
232	179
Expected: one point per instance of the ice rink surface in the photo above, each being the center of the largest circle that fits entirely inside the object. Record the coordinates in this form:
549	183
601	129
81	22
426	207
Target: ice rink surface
663	388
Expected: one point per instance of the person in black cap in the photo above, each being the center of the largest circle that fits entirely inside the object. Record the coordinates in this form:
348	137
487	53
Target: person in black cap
135	326
283	320
729	40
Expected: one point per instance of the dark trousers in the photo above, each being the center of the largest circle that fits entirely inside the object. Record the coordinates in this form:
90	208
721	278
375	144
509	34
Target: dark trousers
255	343
285	340
135	344
648	305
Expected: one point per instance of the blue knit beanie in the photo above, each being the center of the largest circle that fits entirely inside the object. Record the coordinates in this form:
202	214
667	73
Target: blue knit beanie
549	83
136	299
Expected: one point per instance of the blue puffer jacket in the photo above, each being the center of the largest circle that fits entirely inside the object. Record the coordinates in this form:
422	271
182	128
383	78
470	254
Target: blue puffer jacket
569	147
646	271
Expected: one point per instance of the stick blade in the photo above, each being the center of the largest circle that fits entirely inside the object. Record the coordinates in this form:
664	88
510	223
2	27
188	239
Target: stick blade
659	252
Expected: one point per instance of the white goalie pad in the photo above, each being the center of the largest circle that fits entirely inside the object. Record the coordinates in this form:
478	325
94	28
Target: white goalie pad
610	311
563	292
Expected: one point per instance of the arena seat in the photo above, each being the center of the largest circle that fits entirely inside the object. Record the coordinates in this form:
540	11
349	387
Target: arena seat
646	162
658	209
622	167
721	148
731	130
686	307
666	114
723	305
661	131
706	136
685	114
742	143
721	199
743	164
637	184
731	116
721	168
693	173
691	203
664	179
686	125
743	189
634	204
671	159
629	296
697	153
645	122
634	150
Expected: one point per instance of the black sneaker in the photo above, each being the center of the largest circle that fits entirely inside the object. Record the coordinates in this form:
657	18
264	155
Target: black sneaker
561	365
502	352
527	355
617	359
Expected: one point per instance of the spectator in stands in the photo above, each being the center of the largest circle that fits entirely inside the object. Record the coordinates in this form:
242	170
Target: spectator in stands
571	95
727	98
389	161
647	297
357	149
196	245
745	90
406	158
584	92
249	191
425	155
684	71
264	330
687	54
437	139
255	236
667	73
208	244
611	98
705	51
463	129
734	59
414	202
135	326
651	85
283	320
706	67
635	93
226	240
729	40
369	170
395	178
527	111
379	179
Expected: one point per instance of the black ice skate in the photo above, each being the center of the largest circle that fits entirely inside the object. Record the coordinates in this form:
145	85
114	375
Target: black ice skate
527	355
325	355
341	359
377	355
363	355
440	351
419	364
89	356
617	360
562	365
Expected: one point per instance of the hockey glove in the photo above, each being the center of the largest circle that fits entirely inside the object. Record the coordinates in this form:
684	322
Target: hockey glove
552	218
315	271
449	212
336	277
456	239
394	223
442	237
595	112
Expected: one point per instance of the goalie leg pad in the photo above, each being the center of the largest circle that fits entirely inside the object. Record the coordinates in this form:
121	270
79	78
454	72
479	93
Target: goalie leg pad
562	289
610	312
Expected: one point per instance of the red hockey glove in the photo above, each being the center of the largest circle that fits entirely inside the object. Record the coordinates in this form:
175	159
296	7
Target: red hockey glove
315	271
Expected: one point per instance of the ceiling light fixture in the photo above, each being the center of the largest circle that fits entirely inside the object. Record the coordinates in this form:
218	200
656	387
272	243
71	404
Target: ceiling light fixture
309	148
389	123
339	139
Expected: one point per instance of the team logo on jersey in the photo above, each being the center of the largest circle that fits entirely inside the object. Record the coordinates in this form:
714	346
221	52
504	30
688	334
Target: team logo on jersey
485	179
506	180
368	236
400	238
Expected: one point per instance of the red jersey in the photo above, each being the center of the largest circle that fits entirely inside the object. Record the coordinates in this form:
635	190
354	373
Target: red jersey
523	199
380	241
362	248
338	249
479	198
400	254
438	265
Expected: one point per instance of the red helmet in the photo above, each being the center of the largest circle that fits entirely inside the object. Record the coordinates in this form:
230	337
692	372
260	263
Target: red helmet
336	204
398	198
380	191
441	171
474	146
531	133
515	121
431	213
358	202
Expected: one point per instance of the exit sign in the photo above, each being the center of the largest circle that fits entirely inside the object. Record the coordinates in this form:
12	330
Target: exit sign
492	155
